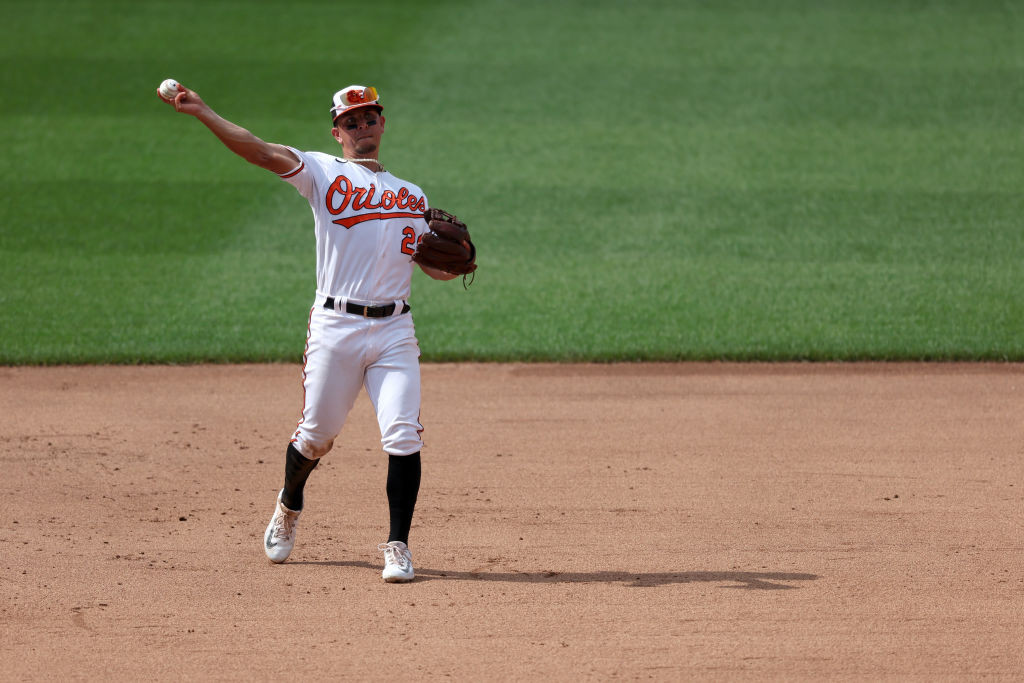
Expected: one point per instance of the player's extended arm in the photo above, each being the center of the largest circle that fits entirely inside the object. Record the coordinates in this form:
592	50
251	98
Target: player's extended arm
276	158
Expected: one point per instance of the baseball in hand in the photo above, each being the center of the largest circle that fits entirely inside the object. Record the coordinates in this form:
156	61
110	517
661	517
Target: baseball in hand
168	89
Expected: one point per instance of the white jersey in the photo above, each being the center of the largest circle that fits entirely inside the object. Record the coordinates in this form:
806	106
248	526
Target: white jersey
367	226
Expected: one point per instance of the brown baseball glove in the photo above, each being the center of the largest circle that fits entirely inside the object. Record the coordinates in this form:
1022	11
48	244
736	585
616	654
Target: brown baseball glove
447	246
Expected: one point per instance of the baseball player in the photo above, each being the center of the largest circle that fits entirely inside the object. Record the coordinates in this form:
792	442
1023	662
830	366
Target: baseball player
368	223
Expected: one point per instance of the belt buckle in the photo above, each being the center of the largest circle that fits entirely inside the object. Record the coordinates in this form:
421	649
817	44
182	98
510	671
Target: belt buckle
366	311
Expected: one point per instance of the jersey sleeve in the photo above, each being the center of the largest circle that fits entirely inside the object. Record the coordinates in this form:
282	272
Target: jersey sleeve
304	176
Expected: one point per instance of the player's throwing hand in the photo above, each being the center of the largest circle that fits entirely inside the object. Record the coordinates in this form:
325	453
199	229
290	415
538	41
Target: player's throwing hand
184	100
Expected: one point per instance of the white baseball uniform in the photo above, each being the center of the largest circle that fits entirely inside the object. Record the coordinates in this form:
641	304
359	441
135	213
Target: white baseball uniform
360	330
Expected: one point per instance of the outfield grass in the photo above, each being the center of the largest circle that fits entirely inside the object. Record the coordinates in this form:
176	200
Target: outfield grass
648	180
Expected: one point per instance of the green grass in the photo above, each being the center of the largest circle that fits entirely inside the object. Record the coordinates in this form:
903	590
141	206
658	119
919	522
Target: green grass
645	180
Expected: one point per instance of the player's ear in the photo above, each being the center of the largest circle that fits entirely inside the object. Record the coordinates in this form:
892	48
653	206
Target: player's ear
381	117
336	132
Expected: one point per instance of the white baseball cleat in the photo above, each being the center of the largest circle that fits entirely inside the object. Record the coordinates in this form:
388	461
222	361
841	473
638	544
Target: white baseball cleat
397	562
279	539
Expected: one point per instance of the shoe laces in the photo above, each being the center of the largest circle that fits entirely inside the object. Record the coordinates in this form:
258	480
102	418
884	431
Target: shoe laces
284	524
393	554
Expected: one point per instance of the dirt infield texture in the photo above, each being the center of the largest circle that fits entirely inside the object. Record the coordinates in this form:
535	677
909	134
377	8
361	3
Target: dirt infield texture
575	522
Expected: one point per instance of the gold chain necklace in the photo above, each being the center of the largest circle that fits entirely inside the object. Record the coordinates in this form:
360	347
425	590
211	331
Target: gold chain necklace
381	166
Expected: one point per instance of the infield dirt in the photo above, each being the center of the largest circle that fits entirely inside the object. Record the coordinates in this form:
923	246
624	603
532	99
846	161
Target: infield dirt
594	522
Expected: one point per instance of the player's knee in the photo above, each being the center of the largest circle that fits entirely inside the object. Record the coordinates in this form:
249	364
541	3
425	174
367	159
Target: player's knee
402	439
312	448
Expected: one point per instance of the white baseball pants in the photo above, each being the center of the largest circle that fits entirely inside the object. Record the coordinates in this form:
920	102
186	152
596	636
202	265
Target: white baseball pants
345	352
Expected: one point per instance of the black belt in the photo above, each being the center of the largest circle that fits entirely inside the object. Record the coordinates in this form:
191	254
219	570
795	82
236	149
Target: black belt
367	311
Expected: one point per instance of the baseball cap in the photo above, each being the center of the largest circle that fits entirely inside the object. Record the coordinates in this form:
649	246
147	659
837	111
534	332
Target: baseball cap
354	97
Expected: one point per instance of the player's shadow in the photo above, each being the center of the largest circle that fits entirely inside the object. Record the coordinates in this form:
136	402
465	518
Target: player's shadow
731	579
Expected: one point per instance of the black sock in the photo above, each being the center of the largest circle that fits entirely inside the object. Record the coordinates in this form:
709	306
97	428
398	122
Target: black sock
403	487
296	470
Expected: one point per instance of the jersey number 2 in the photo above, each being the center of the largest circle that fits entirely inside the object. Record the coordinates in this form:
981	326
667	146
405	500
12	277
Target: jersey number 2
409	242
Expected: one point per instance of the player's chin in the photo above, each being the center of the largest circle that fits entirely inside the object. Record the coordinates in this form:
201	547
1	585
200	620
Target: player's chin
366	146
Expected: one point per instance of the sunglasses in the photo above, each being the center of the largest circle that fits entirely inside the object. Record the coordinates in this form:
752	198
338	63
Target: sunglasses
361	96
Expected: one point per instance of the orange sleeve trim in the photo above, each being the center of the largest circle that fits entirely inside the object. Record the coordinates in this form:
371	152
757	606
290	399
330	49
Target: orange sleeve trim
302	165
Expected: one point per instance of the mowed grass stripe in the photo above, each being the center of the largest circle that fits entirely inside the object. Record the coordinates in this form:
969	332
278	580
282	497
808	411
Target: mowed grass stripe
658	181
